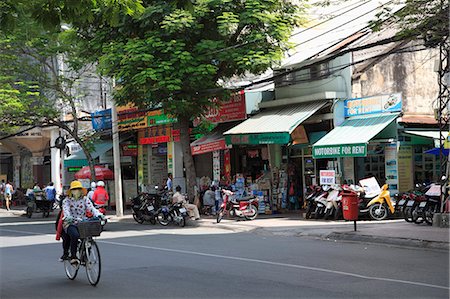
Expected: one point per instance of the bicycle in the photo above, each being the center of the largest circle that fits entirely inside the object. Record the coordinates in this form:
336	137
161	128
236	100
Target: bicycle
87	253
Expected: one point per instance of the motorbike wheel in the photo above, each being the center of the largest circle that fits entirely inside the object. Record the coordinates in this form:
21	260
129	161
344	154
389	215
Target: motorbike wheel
163	219
139	220
318	213
29	212
308	212
407	215
182	222
417	217
219	215
254	213
328	214
378	212
153	220
338	214
429	214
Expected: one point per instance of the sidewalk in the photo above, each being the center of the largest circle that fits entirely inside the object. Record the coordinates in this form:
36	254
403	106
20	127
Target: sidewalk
389	232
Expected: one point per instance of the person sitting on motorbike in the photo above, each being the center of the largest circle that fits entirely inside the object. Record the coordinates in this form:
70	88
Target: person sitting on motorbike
100	196
178	197
91	192
76	207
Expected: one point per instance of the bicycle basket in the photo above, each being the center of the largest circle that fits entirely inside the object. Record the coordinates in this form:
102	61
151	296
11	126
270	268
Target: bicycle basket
89	228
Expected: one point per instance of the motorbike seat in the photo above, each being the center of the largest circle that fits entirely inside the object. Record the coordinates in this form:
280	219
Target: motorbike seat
245	198
370	196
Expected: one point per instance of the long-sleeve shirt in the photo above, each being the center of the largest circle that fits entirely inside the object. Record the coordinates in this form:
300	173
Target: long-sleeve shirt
77	209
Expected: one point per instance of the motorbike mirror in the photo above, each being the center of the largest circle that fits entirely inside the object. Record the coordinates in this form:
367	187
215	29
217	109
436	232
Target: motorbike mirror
444	178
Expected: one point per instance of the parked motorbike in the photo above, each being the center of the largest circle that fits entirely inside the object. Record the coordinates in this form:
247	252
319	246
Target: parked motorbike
414	199
321	202
426	209
400	204
244	207
313	192
333	205
143	207
381	206
172	213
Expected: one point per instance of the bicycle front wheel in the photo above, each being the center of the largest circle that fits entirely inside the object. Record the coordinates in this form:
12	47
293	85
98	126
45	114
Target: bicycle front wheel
93	262
71	269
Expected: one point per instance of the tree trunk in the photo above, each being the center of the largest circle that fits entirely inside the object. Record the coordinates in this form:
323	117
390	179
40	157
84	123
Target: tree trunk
185	140
88	157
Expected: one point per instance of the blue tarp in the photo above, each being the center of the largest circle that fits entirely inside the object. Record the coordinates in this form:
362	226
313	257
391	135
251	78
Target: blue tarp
436	151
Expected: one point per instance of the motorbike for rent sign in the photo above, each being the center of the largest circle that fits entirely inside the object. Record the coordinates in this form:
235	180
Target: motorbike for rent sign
373	104
340	150
327	177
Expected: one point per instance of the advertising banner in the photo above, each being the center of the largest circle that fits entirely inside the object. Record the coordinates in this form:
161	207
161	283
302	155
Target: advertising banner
131	118
390	158
101	120
263	138
405	168
230	110
208	147
374	104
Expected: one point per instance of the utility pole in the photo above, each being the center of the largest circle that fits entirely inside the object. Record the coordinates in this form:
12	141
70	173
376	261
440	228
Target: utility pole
443	113
116	155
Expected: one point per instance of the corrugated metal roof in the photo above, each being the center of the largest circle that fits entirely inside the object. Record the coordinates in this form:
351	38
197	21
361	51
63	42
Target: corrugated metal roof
279	120
357	129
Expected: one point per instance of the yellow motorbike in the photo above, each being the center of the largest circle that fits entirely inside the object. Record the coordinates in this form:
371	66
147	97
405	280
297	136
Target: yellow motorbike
381	206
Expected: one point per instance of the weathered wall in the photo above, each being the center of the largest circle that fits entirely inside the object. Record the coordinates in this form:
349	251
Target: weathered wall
411	74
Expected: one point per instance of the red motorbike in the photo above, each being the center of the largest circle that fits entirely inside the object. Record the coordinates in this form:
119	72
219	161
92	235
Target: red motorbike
245	207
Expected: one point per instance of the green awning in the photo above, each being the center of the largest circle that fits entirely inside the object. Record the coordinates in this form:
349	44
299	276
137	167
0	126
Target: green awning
351	138
79	158
272	126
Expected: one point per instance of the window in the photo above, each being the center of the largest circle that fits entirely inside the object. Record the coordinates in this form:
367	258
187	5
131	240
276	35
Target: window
319	71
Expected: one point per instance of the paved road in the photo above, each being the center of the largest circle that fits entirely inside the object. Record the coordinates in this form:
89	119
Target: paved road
207	262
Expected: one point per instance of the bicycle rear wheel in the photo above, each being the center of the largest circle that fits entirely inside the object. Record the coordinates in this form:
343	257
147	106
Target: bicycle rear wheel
93	262
71	269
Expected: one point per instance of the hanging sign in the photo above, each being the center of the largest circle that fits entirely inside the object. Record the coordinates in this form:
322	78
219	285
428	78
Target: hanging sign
327	177
374	104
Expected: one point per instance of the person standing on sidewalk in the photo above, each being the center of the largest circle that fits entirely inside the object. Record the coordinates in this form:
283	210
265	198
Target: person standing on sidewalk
9	190
169	182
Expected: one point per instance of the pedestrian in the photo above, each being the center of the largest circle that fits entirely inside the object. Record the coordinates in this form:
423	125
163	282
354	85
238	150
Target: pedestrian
100	196
2	190
50	192
9	190
169	182
192	209
76	208
91	192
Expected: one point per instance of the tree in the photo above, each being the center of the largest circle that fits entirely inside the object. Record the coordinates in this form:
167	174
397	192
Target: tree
174	54
33	91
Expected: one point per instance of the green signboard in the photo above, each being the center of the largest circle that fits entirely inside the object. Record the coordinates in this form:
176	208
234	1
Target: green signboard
263	138
340	150
161	119
73	169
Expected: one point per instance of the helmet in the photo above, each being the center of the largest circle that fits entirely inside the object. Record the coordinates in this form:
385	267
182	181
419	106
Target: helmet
76	185
101	184
93	185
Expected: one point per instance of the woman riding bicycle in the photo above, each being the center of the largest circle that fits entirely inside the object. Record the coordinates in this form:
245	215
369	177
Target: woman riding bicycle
76	208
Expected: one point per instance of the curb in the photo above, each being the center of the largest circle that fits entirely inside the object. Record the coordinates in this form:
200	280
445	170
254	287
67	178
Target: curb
404	242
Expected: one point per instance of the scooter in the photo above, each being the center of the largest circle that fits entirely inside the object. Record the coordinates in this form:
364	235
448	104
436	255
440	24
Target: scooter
333	202
381	206
313	192
321	202
244	207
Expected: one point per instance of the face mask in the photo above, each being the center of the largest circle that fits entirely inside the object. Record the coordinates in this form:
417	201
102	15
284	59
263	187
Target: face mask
76	193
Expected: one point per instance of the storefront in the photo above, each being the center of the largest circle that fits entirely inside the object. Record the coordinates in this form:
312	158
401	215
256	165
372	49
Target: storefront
262	146
366	143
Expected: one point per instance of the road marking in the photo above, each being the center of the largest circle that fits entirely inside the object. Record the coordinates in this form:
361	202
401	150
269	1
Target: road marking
25	223
280	264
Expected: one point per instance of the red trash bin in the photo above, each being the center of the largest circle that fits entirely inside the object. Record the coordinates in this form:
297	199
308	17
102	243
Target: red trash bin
350	206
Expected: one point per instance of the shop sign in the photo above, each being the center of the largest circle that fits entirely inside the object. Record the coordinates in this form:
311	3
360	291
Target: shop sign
327	177
129	150
391	171
73	169
101	120
299	135
130	118
405	168
231	110
374	104
216	166
343	150
160	134
208	147
157	118
263	138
